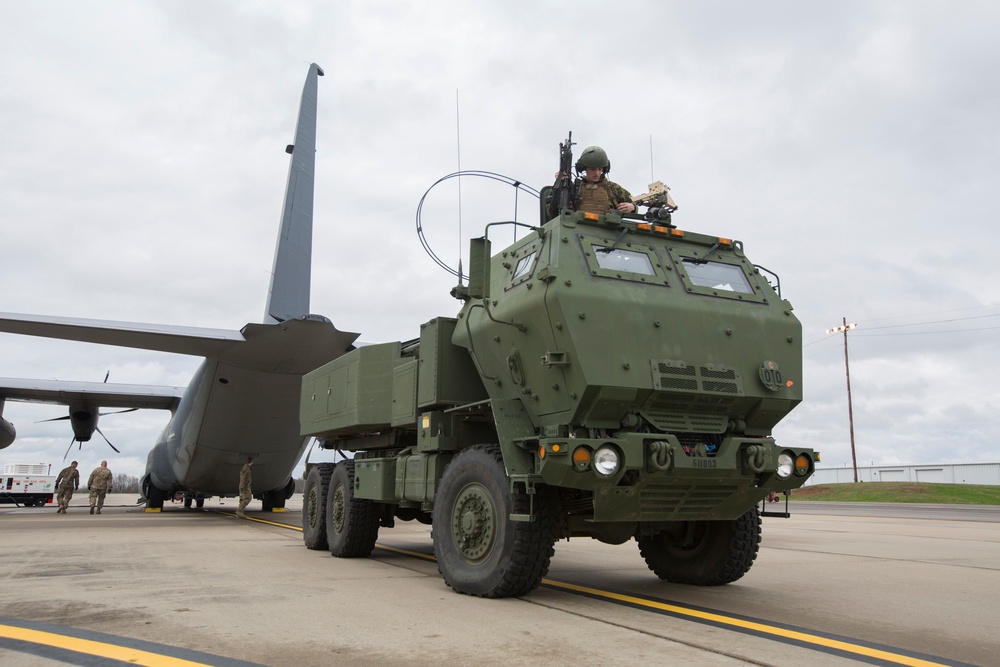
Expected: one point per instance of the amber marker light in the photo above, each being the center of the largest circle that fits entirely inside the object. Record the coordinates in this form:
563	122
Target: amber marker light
801	465
541	452
660	229
556	448
677	232
644	226
789	383
725	242
581	458
590	216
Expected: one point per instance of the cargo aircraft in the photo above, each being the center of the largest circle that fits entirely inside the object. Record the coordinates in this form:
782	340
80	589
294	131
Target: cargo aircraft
244	398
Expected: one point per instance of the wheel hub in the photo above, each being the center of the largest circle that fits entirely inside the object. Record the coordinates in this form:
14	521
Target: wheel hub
474	523
338	508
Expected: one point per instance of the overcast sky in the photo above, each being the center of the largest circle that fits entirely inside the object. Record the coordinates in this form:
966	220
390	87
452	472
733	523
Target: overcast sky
854	148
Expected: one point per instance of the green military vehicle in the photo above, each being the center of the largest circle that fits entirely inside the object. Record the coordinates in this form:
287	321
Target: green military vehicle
608	377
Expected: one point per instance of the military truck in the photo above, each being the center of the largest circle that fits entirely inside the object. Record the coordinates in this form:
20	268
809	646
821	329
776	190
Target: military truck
607	376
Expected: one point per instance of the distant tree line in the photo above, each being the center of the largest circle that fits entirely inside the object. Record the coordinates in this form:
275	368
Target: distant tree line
125	483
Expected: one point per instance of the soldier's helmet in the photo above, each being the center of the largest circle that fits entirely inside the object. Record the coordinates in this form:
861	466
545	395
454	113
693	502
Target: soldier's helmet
593	156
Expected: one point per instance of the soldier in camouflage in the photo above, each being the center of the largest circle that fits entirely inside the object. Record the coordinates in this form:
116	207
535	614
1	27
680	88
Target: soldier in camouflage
596	193
245	492
99	486
67	482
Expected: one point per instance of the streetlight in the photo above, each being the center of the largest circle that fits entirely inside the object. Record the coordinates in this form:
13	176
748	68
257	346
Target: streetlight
850	411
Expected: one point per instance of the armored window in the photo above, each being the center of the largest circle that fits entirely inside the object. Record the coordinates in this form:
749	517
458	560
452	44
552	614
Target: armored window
727	274
619	259
523	266
718	276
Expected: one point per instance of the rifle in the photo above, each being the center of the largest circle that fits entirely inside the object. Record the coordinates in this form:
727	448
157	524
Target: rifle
568	193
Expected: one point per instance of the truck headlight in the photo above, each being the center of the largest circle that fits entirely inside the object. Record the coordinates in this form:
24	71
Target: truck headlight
785	465
607	461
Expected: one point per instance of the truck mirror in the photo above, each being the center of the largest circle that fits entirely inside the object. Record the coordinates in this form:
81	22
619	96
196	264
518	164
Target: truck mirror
479	268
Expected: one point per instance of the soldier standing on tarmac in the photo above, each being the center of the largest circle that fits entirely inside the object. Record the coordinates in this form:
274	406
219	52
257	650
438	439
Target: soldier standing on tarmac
99	486
245	493
67	482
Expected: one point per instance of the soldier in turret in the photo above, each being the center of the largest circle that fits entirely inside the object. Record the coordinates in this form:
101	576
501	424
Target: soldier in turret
595	193
99	486
66	483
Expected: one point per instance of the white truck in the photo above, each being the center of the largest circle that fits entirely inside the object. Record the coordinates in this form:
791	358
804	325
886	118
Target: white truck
27	484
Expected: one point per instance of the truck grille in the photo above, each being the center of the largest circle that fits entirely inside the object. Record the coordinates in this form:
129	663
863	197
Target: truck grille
681	500
676	375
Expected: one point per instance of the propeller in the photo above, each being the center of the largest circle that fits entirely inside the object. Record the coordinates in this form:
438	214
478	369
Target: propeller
84	423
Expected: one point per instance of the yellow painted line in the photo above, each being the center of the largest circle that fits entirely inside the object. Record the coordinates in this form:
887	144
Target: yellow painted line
152	510
407	552
264	521
99	649
762	628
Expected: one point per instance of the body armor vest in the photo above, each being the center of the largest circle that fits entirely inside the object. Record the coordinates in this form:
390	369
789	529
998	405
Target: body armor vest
596	197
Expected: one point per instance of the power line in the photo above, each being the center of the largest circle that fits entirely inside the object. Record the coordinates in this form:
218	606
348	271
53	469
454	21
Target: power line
864	332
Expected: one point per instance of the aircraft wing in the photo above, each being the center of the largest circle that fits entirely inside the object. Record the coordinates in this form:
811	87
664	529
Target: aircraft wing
107	395
199	342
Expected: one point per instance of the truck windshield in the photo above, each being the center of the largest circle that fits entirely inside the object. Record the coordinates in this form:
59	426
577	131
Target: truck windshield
617	259
716	275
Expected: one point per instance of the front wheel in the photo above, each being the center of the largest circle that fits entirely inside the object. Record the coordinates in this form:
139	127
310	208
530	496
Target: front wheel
480	551
703	553
351	523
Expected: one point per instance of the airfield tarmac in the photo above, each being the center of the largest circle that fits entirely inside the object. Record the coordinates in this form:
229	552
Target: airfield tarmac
187	587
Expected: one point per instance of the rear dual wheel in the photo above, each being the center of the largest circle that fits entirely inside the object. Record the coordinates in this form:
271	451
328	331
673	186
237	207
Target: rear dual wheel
314	506
351	523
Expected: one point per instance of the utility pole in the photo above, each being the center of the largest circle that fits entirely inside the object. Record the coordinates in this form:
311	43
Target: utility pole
850	410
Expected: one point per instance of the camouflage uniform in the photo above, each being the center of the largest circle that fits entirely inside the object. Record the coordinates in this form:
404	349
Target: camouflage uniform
245	493
67	482
99	485
598	198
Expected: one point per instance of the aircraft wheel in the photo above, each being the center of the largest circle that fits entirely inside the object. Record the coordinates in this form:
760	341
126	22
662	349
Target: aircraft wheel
154	497
703	553
351	523
199	502
187	502
480	550
314	506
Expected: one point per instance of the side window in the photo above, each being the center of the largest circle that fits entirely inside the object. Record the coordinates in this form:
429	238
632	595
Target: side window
522	264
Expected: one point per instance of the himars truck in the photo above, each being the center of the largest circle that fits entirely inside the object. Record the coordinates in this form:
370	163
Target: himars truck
608	377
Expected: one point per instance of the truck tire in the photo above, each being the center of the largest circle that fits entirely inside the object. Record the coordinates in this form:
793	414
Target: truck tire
314	506
351	523
480	551
704	553
39	502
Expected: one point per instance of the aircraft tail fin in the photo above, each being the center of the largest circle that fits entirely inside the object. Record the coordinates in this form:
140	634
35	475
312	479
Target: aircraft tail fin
288	295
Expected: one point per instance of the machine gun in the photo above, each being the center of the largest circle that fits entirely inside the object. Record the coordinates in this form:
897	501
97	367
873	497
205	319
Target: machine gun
658	201
566	186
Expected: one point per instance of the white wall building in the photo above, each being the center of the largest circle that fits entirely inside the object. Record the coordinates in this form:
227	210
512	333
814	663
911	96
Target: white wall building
936	473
